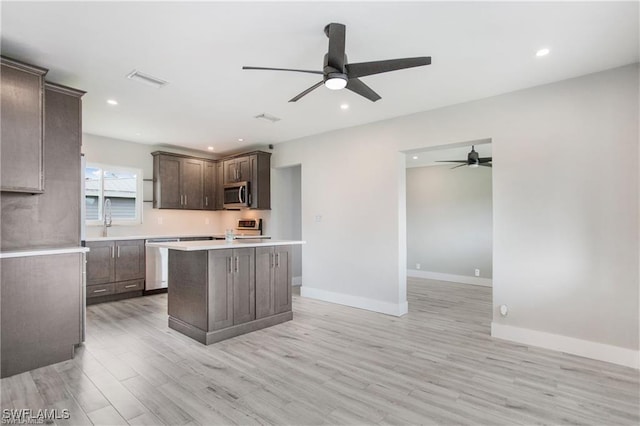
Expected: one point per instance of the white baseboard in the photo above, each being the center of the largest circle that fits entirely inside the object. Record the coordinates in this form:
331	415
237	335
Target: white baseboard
556	342
463	279
297	281
394	309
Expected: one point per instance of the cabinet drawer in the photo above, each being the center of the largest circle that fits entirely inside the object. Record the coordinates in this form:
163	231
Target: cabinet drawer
127	286
100	290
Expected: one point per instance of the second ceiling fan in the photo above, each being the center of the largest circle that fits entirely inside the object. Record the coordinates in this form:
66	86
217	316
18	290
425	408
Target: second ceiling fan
338	74
473	160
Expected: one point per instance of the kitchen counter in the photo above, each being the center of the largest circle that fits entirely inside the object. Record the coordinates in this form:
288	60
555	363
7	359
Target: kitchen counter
222	244
151	237
41	252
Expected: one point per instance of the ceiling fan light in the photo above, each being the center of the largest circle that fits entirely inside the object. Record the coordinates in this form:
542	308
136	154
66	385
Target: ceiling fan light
335	82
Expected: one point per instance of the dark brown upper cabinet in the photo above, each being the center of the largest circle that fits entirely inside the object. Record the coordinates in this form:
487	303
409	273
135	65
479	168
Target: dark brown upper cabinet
255	168
237	170
22	127
210	169
185	182
179	182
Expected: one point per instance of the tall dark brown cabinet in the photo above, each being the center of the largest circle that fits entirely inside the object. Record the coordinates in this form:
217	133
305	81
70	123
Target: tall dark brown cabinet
42	261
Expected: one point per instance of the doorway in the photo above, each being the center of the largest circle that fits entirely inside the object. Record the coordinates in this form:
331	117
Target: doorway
286	215
449	214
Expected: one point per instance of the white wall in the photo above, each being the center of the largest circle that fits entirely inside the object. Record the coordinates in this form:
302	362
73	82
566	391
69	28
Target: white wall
565	200
99	149
449	220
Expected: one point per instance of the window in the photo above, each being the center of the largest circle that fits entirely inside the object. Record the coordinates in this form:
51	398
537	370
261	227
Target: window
121	185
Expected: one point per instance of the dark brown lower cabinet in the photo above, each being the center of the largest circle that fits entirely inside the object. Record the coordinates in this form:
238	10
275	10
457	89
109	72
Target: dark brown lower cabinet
273	280
115	269
40	310
213	294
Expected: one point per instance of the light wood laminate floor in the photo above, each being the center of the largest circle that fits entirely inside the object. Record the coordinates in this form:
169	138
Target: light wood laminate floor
331	365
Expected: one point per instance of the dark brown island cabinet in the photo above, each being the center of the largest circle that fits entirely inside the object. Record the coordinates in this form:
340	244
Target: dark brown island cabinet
115	270
227	291
42	262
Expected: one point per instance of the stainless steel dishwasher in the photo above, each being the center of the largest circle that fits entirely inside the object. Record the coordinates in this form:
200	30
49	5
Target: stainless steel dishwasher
157	264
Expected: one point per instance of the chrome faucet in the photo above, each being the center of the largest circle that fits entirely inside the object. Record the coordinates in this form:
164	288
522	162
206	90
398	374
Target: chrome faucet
106	211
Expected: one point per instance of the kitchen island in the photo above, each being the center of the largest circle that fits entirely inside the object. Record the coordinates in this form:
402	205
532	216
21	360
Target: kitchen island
220	289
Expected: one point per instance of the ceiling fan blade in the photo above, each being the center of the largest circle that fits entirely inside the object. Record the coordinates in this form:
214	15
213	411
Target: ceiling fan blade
451	161
314	87
459	165
282	69
362	89
484	160
376	67
336	34
486	164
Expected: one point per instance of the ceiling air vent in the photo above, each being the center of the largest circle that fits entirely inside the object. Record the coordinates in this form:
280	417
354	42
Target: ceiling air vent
268	117
150	80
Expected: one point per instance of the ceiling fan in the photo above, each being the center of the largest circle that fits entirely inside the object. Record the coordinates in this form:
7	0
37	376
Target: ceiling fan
473	160
338	74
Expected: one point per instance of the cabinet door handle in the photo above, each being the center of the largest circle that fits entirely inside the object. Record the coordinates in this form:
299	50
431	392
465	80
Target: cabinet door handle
113	253
102	290
206	201
277	260
237	263
131	286
229	260
118	251
271	257
185	199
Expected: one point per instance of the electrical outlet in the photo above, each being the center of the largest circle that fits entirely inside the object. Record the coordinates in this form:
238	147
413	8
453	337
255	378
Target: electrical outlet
318	218
417	266
477	272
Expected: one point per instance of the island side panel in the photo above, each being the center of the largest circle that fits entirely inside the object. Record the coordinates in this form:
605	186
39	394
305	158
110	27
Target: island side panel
188	278
220	289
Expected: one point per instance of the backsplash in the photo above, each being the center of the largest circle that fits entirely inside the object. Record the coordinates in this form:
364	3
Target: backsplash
175	222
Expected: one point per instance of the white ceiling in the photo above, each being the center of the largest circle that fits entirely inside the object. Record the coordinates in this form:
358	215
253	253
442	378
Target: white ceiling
478	49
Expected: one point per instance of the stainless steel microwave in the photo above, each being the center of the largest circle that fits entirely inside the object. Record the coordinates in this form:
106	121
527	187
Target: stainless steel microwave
237	195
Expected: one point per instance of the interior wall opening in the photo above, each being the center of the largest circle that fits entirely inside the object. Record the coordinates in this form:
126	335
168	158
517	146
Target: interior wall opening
449	213
286	216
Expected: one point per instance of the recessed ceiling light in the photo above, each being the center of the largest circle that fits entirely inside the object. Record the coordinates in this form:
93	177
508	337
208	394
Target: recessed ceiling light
210	148
240	140
112	102
542	52
344	106
415	157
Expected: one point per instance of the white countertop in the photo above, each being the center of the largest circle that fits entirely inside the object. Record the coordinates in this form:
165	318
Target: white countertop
222	245
147	237
42	252
151	237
